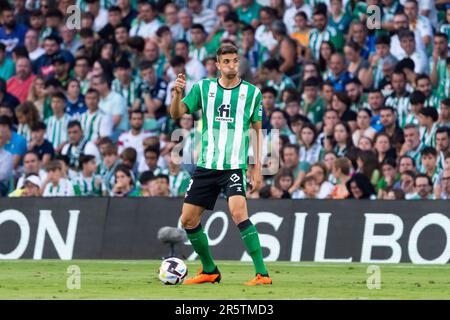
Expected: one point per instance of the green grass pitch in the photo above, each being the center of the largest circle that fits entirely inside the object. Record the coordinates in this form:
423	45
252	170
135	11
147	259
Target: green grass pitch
120	279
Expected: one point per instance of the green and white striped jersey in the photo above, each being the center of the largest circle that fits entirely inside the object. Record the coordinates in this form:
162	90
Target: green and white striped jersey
433	101
96	125
401	105
24	130
316	38
284	83
130	94
441	68
428	138
226	118
57	129
179	183
87	186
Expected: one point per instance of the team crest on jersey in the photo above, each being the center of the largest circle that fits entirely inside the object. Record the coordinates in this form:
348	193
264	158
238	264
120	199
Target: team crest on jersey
224	113
242	96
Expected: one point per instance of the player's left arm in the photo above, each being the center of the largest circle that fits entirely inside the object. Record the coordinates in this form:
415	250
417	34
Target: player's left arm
256	123
256	173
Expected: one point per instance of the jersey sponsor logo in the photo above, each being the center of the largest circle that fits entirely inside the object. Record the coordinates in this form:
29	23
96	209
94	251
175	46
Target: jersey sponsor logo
260	111
234	177
224	113
212	94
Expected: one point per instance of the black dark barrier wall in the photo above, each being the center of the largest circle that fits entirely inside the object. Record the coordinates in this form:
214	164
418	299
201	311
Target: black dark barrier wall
302	230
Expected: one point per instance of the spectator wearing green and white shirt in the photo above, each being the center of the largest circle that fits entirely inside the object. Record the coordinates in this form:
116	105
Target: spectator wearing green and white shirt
444	113
438	64
56	184
111	161
312	104
399	99
58	122
125	85
94	122
358	98
78	145
423	84
427	120
199	49
377	60
442	145
178	178
412	145
429	159
274	78
322	32
87	183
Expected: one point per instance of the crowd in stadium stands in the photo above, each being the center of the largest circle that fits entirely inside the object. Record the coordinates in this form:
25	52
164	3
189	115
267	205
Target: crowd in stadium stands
362	105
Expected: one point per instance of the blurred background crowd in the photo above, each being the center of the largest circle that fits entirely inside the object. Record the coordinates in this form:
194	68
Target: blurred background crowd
361	100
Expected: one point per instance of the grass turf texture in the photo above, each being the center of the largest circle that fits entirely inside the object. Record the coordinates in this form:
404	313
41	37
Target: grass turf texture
119	279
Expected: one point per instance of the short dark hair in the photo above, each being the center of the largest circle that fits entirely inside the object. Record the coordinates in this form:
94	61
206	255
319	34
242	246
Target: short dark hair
5	120
154	149
423	175
444	130
85	158
146	176
231	16
226	49
270	90
271	64
422	76
446	102
311	82
417	97
428	151
197	26
177	61
145	64
163	29
86	33
38	126
92	90
383	39
58	95
114	9
430	112
52	37
405	34
74	123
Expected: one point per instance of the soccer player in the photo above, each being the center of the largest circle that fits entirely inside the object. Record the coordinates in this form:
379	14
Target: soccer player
230	107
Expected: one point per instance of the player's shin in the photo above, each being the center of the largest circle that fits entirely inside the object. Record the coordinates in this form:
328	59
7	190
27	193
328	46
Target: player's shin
199	242
250	237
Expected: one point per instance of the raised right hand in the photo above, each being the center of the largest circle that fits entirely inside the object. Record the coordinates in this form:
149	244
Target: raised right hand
180	83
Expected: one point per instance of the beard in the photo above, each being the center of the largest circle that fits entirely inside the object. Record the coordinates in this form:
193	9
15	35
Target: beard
11	24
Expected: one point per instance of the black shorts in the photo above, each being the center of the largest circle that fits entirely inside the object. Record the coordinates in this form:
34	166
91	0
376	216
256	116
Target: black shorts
206	185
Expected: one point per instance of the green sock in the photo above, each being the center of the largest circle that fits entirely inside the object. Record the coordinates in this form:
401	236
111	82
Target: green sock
251	240
199	242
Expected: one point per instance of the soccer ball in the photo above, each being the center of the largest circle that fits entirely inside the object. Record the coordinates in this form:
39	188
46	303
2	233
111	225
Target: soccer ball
172	271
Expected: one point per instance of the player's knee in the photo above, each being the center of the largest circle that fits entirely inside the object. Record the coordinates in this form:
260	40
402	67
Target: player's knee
238	215
189	222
